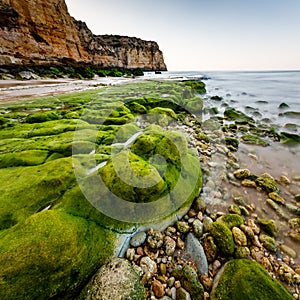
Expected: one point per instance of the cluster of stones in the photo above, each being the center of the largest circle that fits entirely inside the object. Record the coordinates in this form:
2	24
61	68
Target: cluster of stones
183	261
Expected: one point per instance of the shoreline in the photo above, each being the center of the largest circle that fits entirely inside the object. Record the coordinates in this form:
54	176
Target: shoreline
220	160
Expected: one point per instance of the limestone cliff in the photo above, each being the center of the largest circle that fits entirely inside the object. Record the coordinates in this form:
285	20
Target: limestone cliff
43	32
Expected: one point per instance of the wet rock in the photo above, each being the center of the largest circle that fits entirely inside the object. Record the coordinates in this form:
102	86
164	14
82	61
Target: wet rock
269	226
293	208
170	245
283	105
240	238
234	209
268	242
206	222
277	209
138	239
284	179
148	265
196	253
27	75
275	197
242	252
245	279
158	288
295	235
248	183
254	140
222	237
267	184
240	201
232	142
182	226
197	228
190	282
241	173
253	226
294	223
265	262
116	280
231	220
210	248
154	239
288	251
297	197
287	274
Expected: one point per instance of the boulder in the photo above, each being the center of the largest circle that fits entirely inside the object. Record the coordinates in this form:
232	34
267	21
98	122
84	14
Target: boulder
247	280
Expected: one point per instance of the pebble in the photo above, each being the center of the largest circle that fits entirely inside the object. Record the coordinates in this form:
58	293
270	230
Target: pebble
154	239
170	245
138	239
182	294
248	183
148	265
239	236
182	226
197	228
158	288
284	179
241	173
206	222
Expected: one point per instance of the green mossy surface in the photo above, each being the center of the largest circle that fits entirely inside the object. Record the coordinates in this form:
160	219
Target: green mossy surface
50	253
196	85
237	116
231	220
247	280
254	140
223	238
53	252
267	184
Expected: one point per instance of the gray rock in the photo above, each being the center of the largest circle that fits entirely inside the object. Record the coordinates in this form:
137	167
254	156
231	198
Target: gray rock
27	75
116	280
196	252
138	239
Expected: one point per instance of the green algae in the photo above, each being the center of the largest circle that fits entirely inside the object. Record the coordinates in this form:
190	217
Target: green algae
51	253
254	140
27	190
247	280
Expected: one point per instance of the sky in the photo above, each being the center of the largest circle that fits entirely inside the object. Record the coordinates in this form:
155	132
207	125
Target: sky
203	35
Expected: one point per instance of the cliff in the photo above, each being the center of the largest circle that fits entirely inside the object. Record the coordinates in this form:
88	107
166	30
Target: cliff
39	32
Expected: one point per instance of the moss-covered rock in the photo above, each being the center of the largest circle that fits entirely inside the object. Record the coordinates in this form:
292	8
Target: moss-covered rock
239	117
254	140
189	280
51	253
267	184
269	226
223	238
196	85
33	188
23	158
231	220
247	280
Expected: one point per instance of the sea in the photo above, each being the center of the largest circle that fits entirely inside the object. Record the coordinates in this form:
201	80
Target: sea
270	96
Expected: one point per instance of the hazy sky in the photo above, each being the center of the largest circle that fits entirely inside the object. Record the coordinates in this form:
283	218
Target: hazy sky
204	34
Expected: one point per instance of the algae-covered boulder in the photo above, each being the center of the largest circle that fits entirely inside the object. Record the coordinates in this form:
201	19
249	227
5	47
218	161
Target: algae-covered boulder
231	220
116	280
50	253
267	184
239	117
247	280
223	238
27	190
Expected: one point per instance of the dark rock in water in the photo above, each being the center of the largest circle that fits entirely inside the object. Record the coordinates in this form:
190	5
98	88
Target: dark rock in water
267	184
247	280
283	105
239	117
291	114
116	280
216	98
291	127
261	102
196	252
254	140
290	138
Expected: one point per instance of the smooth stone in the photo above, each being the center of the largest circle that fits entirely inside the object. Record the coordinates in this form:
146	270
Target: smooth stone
138	239
158	288
239	236
275	197
288	251
197	228
196	252
268	242
182	294
269	226
241	173
206	222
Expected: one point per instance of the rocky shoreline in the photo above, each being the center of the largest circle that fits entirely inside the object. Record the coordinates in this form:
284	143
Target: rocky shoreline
244	224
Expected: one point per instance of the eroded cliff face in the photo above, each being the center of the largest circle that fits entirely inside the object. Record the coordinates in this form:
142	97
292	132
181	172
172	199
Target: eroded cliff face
43	32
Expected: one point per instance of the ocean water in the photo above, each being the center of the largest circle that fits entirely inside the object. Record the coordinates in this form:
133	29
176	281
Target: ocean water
257	93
